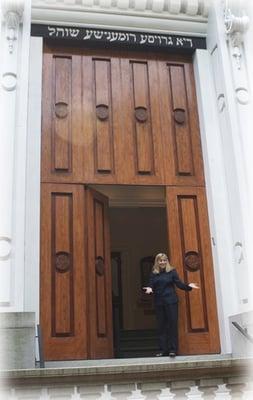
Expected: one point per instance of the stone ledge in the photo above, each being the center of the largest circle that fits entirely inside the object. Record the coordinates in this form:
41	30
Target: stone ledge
153	370
16	320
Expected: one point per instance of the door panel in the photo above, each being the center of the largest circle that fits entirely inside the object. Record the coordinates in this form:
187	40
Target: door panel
100	109
63	285
190	252
180	129
99	275
141	120
62	158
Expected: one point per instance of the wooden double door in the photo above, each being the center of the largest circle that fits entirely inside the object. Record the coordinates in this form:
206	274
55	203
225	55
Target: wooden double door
117	118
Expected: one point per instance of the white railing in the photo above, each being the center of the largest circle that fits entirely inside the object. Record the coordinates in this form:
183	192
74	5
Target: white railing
83	392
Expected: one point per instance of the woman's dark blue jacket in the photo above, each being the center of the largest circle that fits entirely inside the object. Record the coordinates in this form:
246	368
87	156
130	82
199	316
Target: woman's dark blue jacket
163	286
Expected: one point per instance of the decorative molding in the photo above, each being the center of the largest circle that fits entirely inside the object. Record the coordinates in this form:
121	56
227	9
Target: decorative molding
9	81
174	7
236	24
189	17
62	261
235	27
192	261
5	248
238	252
12	11
221	102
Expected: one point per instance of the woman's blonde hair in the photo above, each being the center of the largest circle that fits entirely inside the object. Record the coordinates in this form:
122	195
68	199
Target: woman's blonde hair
156	268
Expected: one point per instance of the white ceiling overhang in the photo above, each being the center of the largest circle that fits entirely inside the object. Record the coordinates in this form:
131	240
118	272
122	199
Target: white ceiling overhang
187	17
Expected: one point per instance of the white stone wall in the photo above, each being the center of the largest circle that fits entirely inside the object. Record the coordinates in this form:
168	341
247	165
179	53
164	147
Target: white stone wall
14	73
230	66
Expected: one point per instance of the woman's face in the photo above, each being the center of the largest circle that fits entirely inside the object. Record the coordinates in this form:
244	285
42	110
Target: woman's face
162	262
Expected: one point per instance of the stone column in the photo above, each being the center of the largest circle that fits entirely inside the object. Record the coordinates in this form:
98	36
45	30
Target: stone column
237	24
17	331
14	45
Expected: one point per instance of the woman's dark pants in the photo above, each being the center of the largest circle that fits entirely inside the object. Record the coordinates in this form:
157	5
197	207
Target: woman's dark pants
167	319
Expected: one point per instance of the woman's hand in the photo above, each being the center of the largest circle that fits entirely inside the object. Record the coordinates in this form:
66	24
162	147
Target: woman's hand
148	290
193	285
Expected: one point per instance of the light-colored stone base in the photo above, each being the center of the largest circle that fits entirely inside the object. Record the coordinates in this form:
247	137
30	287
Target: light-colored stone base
17	338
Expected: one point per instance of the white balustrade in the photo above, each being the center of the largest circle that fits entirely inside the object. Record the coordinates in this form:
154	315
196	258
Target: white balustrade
194	393
75	395
106	395
222	393
166	394
247	392
136	394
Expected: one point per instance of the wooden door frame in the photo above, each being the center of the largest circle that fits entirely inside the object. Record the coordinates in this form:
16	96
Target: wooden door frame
32	233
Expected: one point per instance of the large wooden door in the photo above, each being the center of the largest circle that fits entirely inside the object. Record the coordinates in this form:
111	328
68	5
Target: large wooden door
75	295
190	252
117	117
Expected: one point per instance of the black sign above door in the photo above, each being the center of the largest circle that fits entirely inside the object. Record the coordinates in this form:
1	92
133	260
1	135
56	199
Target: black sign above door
113	37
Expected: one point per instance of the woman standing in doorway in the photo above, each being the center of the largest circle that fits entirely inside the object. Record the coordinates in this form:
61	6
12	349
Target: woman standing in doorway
162	283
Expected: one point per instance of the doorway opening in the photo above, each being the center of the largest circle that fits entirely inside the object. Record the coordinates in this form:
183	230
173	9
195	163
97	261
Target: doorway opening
138	231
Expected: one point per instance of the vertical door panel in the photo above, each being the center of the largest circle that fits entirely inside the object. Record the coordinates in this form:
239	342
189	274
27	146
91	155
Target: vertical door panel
142	126
181	137
141	121
190	252
61	119
100	110
63	288
99	275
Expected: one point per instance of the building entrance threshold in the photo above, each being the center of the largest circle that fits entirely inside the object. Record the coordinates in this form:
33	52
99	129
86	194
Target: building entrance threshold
140	361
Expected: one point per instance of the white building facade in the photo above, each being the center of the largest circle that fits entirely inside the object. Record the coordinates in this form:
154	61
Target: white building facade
224	85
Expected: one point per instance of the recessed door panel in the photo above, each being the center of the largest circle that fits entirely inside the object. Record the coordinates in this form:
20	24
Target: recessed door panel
62	158
181	137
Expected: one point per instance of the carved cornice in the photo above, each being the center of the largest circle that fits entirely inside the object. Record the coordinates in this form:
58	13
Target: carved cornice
171	16
12	11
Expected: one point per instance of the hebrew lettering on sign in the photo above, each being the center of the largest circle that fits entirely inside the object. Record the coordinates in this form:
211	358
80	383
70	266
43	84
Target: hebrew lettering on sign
122	37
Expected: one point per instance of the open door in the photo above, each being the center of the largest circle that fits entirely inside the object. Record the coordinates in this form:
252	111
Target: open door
63	306
190	253
99	275
75	288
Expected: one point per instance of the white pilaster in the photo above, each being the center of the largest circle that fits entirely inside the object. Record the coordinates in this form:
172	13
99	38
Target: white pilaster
217	195
234	110
15	32
32	224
